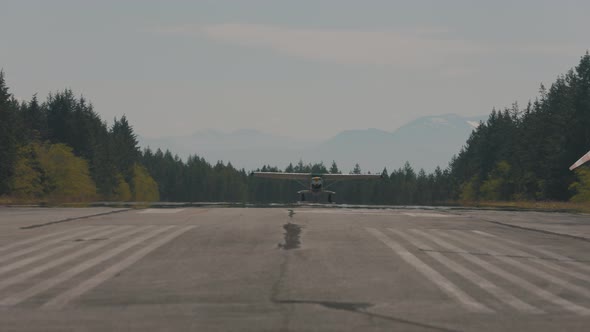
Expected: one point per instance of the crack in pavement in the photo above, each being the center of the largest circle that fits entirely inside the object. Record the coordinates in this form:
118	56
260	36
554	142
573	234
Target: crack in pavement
360	308
73	218
292	238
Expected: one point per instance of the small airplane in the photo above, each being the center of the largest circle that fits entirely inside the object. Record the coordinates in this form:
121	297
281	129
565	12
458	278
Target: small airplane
585	158
316	185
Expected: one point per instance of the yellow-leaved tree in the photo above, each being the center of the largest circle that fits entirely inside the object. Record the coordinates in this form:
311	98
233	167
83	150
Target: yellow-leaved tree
122	192
470	190
498	186
67	176
144	187
582	186
27	180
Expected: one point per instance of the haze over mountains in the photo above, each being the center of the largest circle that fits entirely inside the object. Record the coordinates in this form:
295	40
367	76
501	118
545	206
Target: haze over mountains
426	142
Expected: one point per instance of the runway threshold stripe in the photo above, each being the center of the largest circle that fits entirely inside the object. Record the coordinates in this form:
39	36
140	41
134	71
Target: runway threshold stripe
537	260
64	298
33	240
474	278
537	291
64	259
80	231
441	282
483	233
523	265
68	274
53	251
547	253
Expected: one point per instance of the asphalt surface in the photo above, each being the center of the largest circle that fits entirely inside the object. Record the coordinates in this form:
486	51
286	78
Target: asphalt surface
308	269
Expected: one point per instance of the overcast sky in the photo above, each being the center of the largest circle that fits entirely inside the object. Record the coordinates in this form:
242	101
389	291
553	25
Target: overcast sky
294	68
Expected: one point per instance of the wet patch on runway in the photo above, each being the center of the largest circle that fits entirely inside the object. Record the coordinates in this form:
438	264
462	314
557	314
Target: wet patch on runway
292	237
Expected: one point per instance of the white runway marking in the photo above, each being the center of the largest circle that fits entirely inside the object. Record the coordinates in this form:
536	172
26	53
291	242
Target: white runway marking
537	291
64	298
550	265
443	283
160	211
51	252
33	240
471	276
68	274
81	231
63	259
547	253
483	233
523	266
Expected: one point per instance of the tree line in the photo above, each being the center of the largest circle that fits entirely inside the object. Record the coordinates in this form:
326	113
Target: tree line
525	154
60	149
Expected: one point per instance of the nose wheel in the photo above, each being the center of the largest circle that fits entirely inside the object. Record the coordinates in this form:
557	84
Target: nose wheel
302	198
330	198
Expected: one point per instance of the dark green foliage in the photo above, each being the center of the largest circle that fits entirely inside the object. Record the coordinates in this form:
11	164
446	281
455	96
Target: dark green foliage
356	170
319	168
526	154
34	119
9	126
124	147
333	169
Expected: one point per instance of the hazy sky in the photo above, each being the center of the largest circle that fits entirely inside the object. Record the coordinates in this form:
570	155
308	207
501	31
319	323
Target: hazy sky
298	67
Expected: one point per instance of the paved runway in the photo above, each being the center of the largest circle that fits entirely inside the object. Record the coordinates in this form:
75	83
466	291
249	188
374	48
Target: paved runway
308	269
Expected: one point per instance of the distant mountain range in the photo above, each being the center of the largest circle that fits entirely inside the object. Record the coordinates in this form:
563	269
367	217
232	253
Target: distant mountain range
426	142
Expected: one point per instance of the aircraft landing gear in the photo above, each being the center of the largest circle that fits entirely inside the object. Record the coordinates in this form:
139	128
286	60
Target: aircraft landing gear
330	198
302	198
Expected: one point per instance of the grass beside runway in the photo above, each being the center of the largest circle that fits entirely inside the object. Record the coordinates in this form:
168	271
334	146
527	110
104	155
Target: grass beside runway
545	206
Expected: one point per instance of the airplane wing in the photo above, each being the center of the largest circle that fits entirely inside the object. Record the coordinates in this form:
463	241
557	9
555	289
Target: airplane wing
340	177
284	176
581	161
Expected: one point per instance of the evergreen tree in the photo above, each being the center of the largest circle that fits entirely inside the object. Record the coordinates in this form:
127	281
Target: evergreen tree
334	168
8	136
124	147
35	120
357	169
290	168
319	168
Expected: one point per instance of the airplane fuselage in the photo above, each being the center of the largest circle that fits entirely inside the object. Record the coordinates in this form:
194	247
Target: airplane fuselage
317	185
316	189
